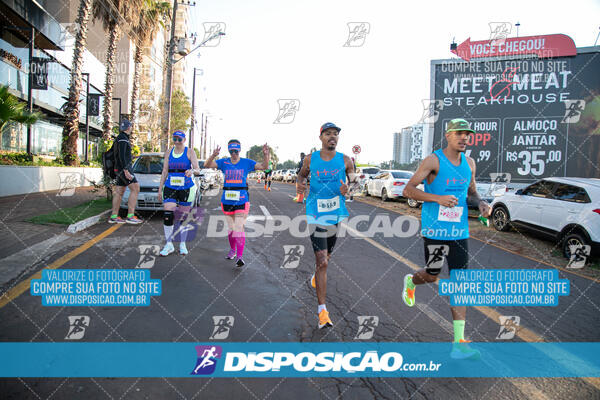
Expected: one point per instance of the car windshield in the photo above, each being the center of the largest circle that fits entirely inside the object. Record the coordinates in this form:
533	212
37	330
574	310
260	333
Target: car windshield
148	165
402	175
201	163
370	171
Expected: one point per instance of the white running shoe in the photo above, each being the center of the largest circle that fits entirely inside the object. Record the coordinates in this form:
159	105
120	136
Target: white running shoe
183	249
168	249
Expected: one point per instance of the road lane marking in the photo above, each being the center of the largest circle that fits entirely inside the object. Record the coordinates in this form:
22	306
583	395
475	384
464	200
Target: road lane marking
21	287
525	334
266	212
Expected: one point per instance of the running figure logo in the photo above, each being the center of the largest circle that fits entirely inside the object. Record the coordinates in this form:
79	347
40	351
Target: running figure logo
579	255
287	111
573	110
212	29
148	254
223	323
357	33
207	359
292	255
188	223
77	325
499	32
68	182
500	177
366	326
509	326
431	111
437	254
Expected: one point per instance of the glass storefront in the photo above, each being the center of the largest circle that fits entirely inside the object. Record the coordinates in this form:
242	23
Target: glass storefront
46	136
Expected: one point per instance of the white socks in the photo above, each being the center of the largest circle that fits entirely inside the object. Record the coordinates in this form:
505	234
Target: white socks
168	233
321	308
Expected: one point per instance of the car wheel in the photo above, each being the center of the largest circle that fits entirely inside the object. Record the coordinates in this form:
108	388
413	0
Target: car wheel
572	239
500	219
384	196
412	203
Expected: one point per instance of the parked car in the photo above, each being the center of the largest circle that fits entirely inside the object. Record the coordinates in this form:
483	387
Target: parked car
209	175
289	175
277	175
415	203
147	169
565	210
364	173
388	184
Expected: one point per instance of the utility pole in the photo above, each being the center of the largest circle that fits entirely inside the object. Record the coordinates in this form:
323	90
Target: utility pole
169	82
193	111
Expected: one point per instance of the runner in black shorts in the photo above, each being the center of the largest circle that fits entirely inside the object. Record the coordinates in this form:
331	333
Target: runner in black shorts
125	177
449	182
177	190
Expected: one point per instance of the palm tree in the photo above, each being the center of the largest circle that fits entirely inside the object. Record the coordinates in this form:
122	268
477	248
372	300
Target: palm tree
13	110
113	14
152	17
71	127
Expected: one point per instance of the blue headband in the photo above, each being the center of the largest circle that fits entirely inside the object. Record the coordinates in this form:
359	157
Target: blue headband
234	146
179	133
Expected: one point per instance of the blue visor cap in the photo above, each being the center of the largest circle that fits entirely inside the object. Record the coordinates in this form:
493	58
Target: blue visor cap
234	146
329	125
180	134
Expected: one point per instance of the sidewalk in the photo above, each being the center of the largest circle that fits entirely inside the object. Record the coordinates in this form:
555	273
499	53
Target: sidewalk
17	234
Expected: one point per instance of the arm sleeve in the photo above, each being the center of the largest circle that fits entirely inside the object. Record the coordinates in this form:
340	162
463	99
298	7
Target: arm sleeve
219	164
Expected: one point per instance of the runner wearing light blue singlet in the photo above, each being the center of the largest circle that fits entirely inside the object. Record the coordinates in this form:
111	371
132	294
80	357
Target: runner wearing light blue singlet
449	183
325	205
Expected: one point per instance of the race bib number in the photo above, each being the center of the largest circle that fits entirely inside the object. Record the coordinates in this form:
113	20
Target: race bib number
450	214
232	195
326	205
177	180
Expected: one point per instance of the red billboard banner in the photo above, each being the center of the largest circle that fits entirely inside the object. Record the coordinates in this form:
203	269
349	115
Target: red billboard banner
544	46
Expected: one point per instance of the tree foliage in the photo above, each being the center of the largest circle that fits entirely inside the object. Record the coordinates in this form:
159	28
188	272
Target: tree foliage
256	153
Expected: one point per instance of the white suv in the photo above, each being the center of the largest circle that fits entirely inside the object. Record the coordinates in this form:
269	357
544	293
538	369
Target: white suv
566	210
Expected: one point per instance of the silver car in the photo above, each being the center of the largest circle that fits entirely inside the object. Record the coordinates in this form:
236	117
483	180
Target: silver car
147	168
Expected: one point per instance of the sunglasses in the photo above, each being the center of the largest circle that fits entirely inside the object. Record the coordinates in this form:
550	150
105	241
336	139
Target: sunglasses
177	139
234	151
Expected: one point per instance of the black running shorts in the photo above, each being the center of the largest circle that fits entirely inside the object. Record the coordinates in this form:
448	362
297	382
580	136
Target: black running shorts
457	257
324	237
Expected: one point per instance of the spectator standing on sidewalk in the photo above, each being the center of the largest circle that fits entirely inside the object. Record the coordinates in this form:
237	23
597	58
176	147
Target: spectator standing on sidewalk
125	177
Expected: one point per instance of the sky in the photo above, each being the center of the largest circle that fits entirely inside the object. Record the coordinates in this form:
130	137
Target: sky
295	50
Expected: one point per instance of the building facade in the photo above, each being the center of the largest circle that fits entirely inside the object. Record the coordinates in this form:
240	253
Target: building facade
53	43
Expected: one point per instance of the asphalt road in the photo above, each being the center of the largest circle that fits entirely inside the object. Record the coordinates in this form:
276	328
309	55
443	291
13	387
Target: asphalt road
274	304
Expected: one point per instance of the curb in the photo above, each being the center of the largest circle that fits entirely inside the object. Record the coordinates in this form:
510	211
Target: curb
86	223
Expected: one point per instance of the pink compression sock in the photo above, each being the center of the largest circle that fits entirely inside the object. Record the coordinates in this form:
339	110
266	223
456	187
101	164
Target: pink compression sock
231	240
240	238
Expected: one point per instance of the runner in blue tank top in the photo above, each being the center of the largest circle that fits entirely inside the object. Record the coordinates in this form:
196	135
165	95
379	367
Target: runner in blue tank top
449	183
177	189
325	205
235	201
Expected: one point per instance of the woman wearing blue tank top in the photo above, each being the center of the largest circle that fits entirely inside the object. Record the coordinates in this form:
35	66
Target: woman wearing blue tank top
325	205
449	183
179	190
235	201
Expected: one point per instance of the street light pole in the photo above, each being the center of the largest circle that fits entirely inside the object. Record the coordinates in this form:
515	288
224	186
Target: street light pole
193	110
87	116
169	80
30	91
